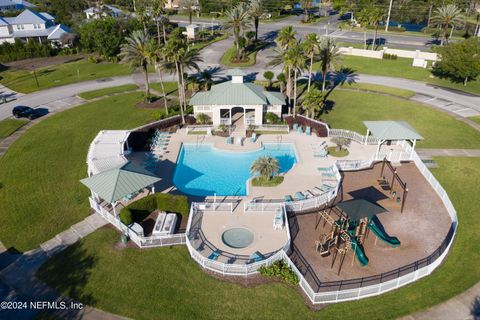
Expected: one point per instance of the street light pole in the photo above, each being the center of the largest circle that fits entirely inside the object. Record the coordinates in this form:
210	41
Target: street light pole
388	16
36	79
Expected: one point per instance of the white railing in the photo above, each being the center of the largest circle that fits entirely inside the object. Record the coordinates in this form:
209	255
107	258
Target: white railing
255	206
199	128
215	206
354	165
141	241
352	135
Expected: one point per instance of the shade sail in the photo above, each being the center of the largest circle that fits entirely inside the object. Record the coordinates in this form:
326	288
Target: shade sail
357	209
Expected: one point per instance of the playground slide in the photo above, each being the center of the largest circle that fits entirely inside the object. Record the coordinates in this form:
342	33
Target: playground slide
359	252
377	229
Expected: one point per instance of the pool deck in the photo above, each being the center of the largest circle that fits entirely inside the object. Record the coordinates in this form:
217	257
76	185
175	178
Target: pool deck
303	176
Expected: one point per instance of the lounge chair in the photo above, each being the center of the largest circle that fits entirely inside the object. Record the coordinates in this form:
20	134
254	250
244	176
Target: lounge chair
239	141
214	255
254	137
308	131
309	194
299	130
320	154
295	126
230	140
278	220
299	196
327	169
288	198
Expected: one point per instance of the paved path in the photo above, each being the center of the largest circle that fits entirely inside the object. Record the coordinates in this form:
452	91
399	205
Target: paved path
428	153
462	307
18	281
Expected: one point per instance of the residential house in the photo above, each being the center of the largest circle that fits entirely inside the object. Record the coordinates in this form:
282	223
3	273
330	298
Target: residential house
13	5
103	11
31	25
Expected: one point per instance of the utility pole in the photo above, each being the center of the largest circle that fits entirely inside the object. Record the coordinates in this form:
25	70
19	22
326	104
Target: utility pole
36	79
388	16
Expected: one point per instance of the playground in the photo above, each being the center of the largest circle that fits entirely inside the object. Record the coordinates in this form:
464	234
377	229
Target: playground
370	236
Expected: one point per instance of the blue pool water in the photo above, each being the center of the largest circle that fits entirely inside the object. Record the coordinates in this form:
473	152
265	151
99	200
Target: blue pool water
205	171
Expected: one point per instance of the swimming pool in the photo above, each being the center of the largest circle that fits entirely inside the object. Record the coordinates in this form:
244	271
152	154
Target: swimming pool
205	171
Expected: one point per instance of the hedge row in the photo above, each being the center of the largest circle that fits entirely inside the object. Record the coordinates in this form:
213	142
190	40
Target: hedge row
140	209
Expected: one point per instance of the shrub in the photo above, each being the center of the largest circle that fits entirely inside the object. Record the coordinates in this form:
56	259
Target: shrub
340	142
388	56
280	269
272	118
202	118
138	210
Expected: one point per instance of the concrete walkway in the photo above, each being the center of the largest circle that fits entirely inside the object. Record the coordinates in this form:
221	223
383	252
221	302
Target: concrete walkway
18	281
462	307
428	153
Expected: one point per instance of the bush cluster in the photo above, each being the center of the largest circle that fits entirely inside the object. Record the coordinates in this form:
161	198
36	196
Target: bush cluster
388	56
20	50
281	270
138	210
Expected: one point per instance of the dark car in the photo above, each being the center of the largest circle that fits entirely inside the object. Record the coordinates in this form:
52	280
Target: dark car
25	112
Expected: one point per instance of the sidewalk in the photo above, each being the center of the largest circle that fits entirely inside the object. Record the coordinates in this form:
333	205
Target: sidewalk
18	281
462	307
428	153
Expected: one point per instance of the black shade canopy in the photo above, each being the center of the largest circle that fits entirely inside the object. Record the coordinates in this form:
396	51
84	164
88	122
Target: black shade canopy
357	209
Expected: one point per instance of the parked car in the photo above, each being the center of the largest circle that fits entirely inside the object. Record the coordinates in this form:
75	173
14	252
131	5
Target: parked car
25	112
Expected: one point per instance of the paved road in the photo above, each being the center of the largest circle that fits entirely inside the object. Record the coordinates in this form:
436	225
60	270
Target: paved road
328	27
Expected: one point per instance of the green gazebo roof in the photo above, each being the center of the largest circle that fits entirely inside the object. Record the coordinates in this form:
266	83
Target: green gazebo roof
236	72
357	209
114	184
392	130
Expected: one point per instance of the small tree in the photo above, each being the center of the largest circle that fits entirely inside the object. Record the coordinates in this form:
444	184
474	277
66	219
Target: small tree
269	76
202	118
341	142
267	167
460	61
313	102
271	118
282	81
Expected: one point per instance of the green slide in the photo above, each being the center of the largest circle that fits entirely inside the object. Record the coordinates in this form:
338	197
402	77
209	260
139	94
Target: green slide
378	230
359	252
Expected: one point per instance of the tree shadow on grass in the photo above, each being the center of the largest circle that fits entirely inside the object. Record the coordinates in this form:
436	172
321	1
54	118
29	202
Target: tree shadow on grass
475	309
69	272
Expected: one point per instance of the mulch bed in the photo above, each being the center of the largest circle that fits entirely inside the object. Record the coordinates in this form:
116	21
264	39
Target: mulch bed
35	63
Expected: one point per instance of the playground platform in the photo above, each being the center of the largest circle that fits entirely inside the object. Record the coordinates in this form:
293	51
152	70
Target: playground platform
421	229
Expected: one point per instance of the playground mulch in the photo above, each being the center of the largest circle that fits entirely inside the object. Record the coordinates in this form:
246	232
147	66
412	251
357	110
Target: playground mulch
421	228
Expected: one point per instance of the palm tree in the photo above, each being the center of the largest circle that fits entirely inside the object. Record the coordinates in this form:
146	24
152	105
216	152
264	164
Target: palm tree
255	10
376	15
238	20
136	52
311	46
155	57
446	16
160	20
329	57
188	60
313	102
189	6
340	77
279	58
266	166
206	77
363	19
172	54
286	37
295	59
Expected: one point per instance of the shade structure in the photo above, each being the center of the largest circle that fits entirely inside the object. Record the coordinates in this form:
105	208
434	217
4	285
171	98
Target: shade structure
116	183
357	209
392	130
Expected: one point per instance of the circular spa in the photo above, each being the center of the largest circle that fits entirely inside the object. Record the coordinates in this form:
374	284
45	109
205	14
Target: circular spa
237	238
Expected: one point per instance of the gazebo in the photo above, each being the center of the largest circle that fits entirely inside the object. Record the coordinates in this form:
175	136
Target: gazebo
121	181
384	131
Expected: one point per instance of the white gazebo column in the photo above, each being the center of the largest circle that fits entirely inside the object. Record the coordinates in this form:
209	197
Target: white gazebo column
258	115
230	115
244	115
378	148
366	137
413	148
153	188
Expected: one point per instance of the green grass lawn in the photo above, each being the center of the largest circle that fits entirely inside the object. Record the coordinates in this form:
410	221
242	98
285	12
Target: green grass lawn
380	89
261	182
127	281
202	44
89	95
402	68
476	119
230	53
170	87
9	126
58	75
332	151
40	173
439	129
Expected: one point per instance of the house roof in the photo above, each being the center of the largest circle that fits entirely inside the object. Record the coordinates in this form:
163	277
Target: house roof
114	184
18	3
392	130
98	10
29	16
3	22
58	31
357	209
228	93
